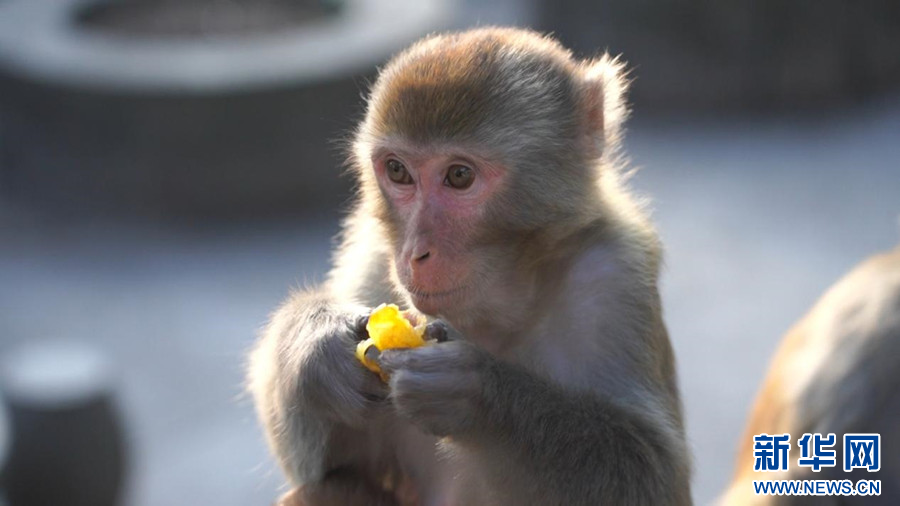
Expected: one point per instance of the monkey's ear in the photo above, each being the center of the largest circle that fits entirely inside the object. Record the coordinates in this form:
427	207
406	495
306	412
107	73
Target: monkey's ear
604	87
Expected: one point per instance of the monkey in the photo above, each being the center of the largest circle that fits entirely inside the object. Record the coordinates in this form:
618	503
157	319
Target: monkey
492	199
834	372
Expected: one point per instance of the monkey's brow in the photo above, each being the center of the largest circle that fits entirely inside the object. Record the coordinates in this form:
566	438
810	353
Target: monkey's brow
420	152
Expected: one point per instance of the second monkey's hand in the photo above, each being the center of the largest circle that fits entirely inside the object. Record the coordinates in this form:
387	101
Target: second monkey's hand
437	387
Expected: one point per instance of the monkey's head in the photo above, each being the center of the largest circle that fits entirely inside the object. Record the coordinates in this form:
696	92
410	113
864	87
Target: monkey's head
478	150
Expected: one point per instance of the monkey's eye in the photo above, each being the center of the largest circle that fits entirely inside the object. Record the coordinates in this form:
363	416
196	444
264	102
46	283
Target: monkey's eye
397	172
460	177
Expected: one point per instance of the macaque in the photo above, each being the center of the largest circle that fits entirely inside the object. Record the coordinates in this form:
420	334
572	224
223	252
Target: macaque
490	201
837	371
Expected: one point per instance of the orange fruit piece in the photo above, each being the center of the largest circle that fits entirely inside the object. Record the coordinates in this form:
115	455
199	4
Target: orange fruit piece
388	329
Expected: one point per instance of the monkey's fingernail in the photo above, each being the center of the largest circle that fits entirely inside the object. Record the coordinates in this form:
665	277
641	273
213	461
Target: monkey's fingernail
437	330
372	354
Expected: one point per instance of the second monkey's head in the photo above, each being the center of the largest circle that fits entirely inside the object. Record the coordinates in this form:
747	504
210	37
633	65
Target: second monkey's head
479	152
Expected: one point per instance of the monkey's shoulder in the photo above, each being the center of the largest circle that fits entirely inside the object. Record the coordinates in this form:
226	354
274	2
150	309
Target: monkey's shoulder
604	272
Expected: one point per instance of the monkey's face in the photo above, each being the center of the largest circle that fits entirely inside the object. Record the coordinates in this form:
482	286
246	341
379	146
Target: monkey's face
437	200
481	147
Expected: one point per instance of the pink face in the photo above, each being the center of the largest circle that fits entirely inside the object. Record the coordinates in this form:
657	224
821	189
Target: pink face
438	199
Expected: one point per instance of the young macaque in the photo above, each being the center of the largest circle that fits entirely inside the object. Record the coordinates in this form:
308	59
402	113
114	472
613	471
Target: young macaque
490	200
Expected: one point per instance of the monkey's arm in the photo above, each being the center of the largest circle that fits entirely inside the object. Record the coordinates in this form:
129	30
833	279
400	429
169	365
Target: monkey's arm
586	449
306	383
314	400
543	440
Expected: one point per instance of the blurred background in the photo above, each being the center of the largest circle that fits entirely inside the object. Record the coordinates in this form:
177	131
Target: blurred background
170	169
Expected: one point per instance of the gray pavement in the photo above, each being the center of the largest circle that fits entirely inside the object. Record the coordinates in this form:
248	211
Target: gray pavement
758	217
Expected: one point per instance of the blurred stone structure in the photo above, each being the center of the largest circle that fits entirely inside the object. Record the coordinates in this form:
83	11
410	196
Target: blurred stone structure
68	445
740	54
194	108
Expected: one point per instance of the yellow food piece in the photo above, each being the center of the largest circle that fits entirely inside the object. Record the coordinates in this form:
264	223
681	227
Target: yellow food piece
388	329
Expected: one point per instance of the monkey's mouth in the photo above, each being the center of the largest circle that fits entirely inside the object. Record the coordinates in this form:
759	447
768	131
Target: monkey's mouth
424	294
431	302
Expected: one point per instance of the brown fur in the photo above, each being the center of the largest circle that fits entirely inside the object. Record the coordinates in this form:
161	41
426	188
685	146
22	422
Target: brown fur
835	372
562	388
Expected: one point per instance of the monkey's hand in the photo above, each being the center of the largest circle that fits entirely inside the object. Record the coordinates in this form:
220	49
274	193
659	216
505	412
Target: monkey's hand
437	387
331	378
305	365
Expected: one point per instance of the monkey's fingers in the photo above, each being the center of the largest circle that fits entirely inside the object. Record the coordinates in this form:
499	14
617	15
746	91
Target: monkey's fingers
359	327
372	353
391	360
437	331
373	356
